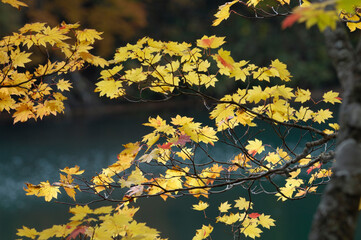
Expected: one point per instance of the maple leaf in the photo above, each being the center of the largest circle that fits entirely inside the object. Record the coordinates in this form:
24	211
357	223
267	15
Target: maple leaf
109	88
135	178
302	95
23	112
203	66
72	171
210	42
255	147
224	61
150	156
256	94
282	71
331	97
242	203
251	231
6	102
27	232
88	35
224	207
200	206
64	85
19	58
238	72
266	221
48	191
304	114
223	12
322	115
135	75
182	140
273	158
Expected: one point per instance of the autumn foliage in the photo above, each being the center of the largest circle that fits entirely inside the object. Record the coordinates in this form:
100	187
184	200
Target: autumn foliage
174	159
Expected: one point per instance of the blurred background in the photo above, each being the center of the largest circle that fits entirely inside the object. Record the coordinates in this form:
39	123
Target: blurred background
92	130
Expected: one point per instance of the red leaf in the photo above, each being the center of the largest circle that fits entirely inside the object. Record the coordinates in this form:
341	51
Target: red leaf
310	169
254	215
183	139
290	20
165	145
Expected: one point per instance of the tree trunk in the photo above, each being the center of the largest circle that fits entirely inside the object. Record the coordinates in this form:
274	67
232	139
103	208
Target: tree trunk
336	216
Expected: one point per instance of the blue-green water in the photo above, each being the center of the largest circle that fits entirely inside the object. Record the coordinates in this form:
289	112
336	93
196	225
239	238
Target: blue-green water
34	152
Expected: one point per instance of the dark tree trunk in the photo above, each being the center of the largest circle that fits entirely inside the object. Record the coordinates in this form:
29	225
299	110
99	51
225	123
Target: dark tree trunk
336	216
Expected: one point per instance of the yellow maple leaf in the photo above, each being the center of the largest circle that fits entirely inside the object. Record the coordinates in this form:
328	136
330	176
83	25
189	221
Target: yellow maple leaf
135	75
256	94
302	95
63	85
224	61
223	12
304	114
238	72
210	42
273	158
19	58
242	203
224	207
322	115
27	232
331	97
32	27
255	147
72	171
109	88
266	221
282	71
23	112
88	35
48	191
135	178
200	206
251	231
6	102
